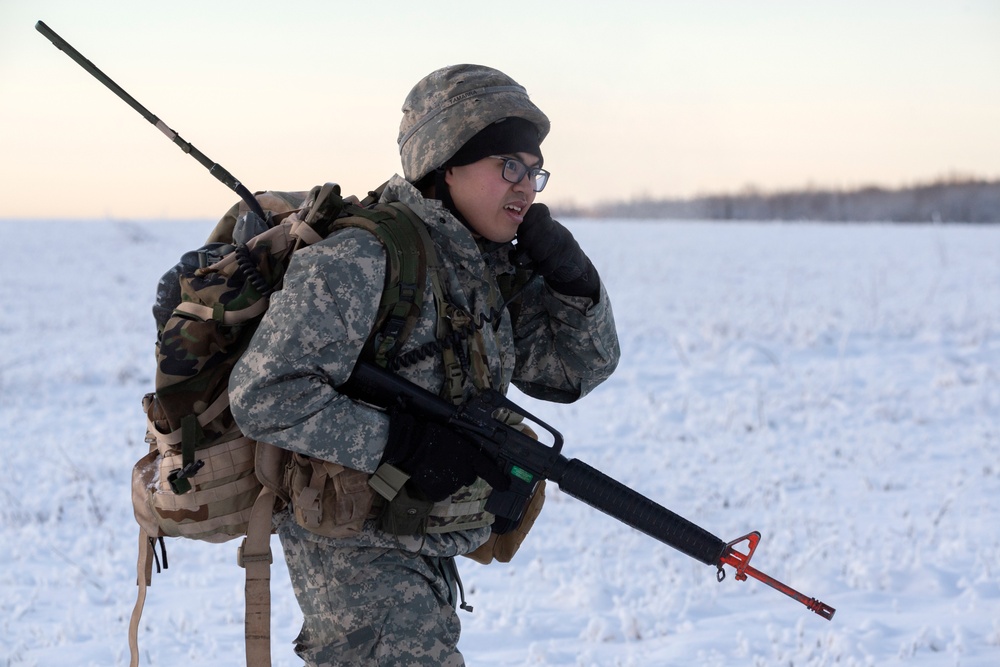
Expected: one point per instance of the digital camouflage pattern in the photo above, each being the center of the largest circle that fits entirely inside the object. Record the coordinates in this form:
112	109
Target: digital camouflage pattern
283	388
283	392
451	105
368	607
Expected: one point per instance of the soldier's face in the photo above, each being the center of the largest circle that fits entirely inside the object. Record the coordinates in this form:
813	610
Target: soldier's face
493	206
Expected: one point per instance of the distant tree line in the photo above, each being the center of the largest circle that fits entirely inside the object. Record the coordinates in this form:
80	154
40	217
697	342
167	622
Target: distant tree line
950	199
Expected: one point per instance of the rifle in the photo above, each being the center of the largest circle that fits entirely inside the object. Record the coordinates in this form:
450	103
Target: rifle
527	461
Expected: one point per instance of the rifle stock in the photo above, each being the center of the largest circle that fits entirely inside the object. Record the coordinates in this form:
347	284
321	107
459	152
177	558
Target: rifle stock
527	461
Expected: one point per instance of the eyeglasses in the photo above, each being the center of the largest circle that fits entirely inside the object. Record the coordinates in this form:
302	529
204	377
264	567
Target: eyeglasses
514	170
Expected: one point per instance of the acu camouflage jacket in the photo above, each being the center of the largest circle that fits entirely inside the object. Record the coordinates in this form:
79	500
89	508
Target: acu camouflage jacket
283	389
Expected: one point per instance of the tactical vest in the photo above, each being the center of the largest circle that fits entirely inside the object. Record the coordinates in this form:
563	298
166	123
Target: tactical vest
331	500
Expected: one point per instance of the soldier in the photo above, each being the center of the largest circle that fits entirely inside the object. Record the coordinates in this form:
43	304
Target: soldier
385	594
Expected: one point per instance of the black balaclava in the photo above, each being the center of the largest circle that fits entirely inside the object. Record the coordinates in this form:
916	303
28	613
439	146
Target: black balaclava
504	137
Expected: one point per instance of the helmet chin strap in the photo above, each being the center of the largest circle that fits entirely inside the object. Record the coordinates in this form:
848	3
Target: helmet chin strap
443	193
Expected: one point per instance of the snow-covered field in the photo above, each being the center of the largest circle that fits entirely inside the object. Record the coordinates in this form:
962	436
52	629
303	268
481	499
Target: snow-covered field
835	387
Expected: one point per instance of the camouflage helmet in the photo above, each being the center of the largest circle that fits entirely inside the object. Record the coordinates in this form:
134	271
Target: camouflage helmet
450	106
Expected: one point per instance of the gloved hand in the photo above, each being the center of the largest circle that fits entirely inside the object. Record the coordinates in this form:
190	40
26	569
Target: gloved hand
548	248
438	459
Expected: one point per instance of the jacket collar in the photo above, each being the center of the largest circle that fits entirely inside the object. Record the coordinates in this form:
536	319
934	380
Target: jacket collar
469	248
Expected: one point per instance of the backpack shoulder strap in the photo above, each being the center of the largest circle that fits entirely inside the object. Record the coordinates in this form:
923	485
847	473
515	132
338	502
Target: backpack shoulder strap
410	252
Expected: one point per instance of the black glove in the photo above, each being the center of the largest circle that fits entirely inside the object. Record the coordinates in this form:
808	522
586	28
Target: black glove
548	248
438	459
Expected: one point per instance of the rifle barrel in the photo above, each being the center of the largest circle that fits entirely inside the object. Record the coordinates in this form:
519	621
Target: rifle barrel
610	496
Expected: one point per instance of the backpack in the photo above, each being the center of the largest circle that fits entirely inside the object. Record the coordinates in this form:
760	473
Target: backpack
203	478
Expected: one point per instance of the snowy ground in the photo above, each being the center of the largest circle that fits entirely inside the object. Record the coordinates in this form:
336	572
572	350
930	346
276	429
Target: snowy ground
834	386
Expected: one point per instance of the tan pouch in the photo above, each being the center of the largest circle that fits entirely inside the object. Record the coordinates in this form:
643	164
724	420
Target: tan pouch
223	491
327	498
503	547
144	476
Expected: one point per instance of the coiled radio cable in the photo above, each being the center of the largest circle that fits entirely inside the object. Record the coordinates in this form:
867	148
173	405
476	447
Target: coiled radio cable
457	336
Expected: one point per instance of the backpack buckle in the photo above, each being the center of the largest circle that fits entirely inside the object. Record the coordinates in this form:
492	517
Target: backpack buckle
243	558
178	477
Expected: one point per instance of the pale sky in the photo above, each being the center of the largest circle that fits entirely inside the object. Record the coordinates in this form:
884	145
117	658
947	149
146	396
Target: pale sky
652	98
